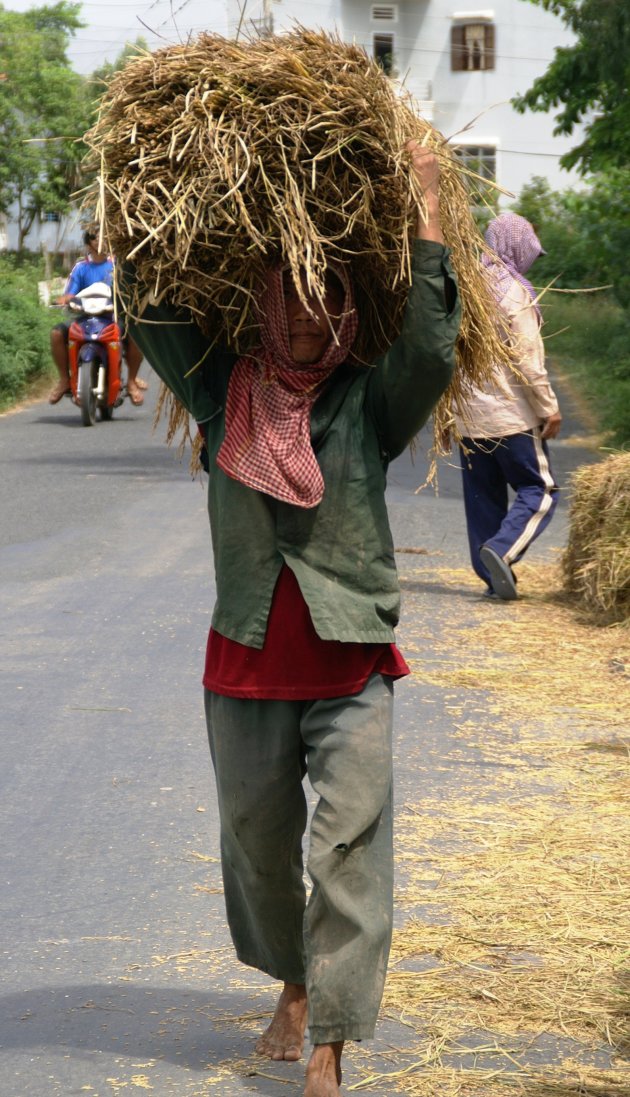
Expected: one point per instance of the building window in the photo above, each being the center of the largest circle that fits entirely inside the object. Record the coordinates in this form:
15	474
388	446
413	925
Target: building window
482	159
383	47
481	163
472	46
49	215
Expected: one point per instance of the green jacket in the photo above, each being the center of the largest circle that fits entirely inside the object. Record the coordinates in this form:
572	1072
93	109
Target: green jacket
340	551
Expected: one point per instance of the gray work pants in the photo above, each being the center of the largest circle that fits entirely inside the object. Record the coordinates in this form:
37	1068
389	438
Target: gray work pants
338	942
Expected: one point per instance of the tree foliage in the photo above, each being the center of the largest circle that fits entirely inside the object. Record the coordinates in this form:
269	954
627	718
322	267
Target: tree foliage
102	75
587	238
43	111
96	85
586	234
562	223
589	80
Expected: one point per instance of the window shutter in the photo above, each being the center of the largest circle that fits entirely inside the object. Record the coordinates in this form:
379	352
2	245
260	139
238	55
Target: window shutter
489	46
458	51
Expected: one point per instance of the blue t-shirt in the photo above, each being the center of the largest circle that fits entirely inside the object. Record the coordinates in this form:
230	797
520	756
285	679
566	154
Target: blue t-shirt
85	273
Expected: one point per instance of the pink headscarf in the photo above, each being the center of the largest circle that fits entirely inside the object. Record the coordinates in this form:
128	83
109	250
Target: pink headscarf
514	241
267	443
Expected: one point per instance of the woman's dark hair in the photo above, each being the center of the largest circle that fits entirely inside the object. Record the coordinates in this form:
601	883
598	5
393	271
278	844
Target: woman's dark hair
90	234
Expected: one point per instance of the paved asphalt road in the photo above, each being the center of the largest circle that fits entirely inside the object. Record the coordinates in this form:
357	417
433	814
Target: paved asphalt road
117	972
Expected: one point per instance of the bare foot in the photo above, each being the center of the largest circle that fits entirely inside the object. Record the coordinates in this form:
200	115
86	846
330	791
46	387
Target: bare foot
141	384
323	1073
284	1039
61	388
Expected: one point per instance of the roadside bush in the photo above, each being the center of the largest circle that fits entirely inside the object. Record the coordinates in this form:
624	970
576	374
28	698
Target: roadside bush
586	234
606	227
24	331
563	224
588	336
587	238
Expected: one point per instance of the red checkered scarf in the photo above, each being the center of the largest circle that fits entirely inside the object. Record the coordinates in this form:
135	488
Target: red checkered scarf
267	441
515	242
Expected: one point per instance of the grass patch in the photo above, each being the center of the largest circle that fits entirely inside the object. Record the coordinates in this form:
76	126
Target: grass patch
588	338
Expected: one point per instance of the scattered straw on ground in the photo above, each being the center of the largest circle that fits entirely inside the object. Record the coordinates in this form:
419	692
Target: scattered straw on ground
511	974
540	661
518	952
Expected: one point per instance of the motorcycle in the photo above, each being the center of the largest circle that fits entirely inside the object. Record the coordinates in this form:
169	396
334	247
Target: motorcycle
95	354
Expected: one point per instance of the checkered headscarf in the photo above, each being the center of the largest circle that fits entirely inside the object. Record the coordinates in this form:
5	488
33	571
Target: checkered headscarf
267	443
514	241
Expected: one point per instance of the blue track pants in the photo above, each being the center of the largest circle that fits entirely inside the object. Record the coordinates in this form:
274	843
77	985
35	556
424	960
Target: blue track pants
490	465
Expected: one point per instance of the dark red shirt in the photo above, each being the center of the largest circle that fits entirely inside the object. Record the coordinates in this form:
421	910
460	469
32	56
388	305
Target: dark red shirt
295	664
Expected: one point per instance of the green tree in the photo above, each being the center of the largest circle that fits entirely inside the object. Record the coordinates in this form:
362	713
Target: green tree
95	87
586	234
605	220
43	112
587	238
589	81
102	75
562	222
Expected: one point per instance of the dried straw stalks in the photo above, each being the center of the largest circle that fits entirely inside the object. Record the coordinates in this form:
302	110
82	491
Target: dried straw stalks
509	974
512	974
524	934
217	158
596	561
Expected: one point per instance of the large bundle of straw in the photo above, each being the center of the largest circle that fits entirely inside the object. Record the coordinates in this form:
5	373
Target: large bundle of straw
597	558
218	158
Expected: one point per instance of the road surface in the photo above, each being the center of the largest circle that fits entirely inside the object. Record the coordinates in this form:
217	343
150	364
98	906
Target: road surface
117	971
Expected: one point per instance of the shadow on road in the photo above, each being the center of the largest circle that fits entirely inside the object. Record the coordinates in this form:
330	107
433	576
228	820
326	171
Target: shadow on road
195	1031
148	460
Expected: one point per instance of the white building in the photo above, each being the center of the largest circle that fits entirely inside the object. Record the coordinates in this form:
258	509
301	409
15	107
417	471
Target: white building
461	64
51	233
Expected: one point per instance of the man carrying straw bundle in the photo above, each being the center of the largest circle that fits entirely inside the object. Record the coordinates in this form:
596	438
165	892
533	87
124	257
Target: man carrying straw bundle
301	654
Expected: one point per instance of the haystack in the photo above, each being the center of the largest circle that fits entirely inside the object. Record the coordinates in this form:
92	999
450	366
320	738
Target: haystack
596	562
218	158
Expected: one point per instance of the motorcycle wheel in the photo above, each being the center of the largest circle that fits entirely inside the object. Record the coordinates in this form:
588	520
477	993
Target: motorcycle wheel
87	395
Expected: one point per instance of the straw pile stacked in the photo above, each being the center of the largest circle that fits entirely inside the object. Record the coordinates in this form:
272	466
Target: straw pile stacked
218	158
596	561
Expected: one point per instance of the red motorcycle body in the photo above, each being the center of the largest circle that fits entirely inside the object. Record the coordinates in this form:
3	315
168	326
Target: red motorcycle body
95	353
103	339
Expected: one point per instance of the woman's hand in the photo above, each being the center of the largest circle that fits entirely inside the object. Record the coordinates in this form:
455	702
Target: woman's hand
551	426
426	168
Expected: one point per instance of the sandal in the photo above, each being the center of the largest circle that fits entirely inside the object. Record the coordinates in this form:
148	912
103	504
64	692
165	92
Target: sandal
501	574
61	389
135	395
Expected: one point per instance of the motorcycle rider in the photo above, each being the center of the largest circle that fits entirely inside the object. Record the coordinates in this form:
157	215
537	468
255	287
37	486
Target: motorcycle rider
96	267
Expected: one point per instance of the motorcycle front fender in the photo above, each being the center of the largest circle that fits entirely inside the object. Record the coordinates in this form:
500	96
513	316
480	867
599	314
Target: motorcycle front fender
108	354
90	351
